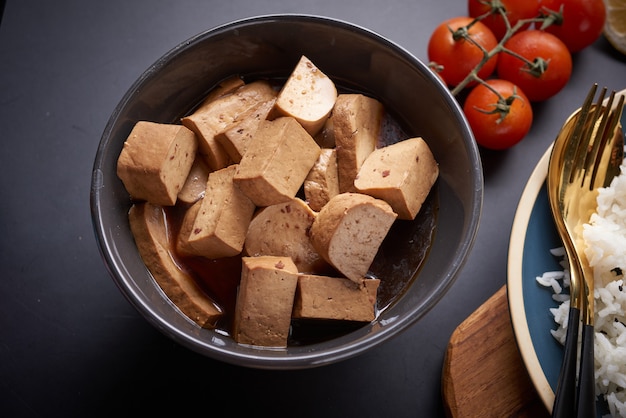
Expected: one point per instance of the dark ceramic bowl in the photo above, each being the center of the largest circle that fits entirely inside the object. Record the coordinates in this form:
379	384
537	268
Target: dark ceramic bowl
357	60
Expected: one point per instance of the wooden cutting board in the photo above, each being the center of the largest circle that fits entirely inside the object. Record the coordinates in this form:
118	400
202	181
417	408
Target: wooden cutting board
483	372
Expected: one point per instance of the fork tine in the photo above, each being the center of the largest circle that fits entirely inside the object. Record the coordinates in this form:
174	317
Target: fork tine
610	119
601	114
617	155
587	147
578	132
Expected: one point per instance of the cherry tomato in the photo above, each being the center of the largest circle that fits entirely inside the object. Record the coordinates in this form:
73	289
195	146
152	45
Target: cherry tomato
548	67
459	57
515	10
498	123
583	21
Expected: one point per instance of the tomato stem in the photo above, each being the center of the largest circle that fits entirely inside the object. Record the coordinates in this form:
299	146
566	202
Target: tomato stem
435	67
535	67
502	107
550	17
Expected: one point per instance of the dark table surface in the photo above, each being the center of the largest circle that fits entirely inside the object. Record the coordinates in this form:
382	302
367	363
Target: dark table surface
71	345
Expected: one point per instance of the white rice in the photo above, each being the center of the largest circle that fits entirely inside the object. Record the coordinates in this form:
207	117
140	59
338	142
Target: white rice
605	239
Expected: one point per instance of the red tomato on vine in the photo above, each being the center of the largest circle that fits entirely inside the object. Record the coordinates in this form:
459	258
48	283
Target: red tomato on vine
582	23
458	55
515	10
546	66
498	122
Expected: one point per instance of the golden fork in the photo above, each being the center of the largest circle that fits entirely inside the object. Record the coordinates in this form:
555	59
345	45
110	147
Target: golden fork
586	155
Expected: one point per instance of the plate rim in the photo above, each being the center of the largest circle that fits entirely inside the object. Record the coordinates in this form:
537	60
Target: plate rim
515	295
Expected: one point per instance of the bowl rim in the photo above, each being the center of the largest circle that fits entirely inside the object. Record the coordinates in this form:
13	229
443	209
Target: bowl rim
270	359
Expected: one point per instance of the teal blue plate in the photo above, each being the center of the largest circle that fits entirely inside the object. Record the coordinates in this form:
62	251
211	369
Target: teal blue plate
533	235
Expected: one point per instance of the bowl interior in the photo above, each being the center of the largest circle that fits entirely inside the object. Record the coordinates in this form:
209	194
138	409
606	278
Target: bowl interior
269	46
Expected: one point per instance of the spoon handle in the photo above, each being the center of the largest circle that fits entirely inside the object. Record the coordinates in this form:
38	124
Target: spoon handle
565	396
586	397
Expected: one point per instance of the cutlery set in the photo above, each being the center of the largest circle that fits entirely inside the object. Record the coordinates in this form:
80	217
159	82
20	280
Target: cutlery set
585	156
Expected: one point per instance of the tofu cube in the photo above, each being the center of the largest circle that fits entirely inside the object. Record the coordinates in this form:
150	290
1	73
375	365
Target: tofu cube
221	222
226	87
322	183
235	138
323	297
357	122
155	161
401	174
277	161
195	185
215	116
265	301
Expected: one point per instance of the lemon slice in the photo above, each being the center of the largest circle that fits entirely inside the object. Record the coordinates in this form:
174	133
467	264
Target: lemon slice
615	26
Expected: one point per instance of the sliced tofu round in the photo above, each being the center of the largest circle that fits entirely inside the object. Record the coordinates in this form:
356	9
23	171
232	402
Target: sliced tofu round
283	230
308	95
147	223
348	231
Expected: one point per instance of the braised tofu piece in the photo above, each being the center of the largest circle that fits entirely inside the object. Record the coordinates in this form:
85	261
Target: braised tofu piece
220	225
322	183
308	95
182	240
401	174
357	122
325	138
283	230
236	137
195	185
218	114
323	297
265	301
224	88
155	161
277	161
348	231
148	225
